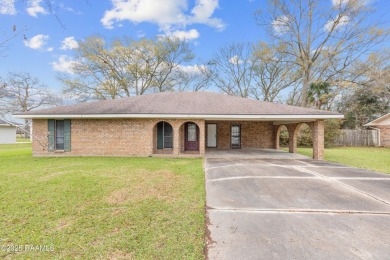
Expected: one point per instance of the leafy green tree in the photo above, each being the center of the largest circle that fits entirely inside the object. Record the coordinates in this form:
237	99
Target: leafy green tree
363	106
319	94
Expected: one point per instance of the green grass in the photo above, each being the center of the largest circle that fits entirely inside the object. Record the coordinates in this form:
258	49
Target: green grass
371	158
22	139
101	207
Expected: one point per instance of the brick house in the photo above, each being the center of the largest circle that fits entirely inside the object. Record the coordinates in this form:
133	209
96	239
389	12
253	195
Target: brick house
170	123
383	125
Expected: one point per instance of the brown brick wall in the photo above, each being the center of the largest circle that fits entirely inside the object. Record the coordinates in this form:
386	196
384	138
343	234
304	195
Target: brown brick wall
253	134
137	137
385	135
112	137
317	128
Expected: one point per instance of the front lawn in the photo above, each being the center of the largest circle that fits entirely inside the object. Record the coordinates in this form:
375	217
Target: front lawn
23	140
371	158
100	207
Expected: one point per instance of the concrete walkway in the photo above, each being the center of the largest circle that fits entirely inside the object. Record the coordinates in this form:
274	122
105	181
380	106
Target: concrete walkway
281	206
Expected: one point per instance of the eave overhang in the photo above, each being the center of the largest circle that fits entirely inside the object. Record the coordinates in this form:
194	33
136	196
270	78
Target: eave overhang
268	117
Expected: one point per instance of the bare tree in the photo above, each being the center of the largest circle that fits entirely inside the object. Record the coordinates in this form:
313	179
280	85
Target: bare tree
192	78
173	53
125	67
273	72
231	69
323	40
23	93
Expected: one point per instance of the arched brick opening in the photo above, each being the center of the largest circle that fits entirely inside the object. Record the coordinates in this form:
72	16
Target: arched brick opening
189	137
282	136
317	128
304	136
163	138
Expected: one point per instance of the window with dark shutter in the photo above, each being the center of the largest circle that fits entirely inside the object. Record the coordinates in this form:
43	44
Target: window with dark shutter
51	134
59	135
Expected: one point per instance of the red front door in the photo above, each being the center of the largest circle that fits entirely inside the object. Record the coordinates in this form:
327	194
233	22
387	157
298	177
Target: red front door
191	137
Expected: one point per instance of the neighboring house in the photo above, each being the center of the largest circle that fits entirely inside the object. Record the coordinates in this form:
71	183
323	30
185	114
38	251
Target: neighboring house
175	123
383	125
7	132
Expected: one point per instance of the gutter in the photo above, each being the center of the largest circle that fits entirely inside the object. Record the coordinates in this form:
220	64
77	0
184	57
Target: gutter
182	116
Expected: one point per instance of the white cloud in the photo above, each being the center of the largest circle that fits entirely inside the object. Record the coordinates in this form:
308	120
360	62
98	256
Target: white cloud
191	69
344	20
50	49
184	35
69	43
339	2
34	8
36	42
7	7
342	3
235	60
202	14
63	64
166	14
280	25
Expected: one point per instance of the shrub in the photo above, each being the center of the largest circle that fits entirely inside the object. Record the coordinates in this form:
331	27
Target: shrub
332	130
283	141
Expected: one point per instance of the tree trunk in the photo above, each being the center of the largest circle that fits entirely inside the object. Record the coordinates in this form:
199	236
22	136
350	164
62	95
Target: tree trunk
305	88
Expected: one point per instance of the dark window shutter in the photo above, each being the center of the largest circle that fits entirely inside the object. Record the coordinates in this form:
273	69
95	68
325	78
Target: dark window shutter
51	129
160	137
67	135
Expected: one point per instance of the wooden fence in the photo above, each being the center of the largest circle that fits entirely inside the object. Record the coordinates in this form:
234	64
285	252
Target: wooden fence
357	138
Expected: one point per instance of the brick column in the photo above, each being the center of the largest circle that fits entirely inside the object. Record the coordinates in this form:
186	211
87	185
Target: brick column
292	138
277	136
202	137
318	139
176	139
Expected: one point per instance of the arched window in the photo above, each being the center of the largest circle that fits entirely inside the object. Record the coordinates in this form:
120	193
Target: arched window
164	135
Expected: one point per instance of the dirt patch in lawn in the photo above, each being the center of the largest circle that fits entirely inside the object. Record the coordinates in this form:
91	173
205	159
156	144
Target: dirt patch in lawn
160	185
119	255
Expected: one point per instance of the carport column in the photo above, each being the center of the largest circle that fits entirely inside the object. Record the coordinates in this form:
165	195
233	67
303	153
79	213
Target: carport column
292	138
318	140
277	137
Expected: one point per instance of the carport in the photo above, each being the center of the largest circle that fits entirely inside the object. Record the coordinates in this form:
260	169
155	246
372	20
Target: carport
262	132
269	204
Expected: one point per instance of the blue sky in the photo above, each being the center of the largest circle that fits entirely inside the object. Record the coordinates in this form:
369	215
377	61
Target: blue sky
208	24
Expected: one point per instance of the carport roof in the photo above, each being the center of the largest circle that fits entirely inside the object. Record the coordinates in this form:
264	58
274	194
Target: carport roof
208	105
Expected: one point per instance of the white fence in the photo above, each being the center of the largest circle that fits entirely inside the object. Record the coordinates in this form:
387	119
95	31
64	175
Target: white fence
357	138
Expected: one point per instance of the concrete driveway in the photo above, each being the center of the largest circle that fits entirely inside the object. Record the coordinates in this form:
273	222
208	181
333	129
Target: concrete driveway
265	204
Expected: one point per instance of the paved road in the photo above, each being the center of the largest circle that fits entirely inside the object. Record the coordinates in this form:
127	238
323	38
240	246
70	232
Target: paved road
276	207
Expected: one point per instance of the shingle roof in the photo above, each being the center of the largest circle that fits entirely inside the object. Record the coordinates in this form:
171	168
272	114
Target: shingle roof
186	103
383	120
